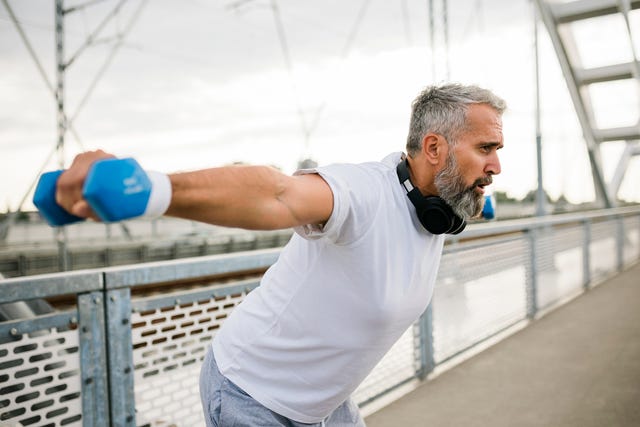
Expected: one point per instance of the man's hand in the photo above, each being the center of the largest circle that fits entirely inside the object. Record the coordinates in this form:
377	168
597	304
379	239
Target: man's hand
70	183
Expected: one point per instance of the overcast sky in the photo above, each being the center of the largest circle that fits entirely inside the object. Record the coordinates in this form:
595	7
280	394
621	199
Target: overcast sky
202	83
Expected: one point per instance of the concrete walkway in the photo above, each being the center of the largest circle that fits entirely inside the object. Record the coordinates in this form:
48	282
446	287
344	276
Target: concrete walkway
577	366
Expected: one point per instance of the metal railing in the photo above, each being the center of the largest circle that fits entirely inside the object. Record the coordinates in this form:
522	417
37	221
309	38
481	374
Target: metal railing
45	258
120	351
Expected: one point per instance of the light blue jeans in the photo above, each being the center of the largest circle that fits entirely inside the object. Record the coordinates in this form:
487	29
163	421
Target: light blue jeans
226	405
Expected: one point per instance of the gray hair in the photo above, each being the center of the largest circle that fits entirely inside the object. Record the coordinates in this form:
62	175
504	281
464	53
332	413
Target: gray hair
443	110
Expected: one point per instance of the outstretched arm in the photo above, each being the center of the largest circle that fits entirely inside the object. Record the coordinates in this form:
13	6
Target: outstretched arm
251	197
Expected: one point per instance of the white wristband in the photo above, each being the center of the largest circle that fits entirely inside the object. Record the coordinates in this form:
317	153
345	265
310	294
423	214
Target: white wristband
160	196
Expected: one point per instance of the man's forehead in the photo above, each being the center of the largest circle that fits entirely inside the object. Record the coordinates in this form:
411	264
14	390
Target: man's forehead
486	124
483	113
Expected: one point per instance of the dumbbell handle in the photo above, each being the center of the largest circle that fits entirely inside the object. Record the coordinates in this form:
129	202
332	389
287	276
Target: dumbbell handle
116	189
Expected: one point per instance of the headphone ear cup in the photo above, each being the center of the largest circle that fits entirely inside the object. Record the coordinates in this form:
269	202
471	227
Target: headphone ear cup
435	215
458	225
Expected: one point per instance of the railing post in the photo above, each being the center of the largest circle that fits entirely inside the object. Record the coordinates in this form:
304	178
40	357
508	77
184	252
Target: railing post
107	256
425	341
23	265
620	241
532	276
93	363
120	355
586	255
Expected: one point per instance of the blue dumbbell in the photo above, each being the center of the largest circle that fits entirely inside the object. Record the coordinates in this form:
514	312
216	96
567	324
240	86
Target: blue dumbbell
116	189
488	210
45	200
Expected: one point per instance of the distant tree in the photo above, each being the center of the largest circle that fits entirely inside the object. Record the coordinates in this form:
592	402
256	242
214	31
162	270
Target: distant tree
562	205
502	197
22	216
530	197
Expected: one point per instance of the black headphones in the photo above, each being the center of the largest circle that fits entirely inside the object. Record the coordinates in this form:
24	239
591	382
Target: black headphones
434	213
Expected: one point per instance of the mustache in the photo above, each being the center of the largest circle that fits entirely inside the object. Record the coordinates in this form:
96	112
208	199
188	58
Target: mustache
487	180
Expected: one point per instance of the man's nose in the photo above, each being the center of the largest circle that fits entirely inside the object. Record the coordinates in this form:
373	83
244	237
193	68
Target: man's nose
493	166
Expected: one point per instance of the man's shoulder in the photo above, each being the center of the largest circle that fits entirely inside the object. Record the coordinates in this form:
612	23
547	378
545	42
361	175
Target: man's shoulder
385	165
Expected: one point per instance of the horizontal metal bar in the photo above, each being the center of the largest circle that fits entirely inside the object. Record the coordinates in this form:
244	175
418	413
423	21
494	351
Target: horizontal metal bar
474	244
46	285
14	329
584	9
521	225
607	73
178	298
627	133
190	268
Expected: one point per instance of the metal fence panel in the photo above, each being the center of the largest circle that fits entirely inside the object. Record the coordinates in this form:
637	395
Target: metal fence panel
170	336
561	276
480	290
603	249
48	371
40	380
395	368
631	251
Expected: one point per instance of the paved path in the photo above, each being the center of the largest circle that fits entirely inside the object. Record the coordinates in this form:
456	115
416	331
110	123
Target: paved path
577	366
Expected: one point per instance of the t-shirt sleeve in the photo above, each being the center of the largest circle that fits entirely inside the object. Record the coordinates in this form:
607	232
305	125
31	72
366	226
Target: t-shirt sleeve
354	204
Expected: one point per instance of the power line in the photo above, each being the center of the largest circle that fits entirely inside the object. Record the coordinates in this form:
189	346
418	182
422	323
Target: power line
109	58
284	46
309	129
406	21
346	51
89	40
445	36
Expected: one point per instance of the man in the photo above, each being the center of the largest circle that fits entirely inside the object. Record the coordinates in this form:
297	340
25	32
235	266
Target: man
359	270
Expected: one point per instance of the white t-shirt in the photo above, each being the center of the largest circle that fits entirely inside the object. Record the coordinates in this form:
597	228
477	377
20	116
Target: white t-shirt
337	298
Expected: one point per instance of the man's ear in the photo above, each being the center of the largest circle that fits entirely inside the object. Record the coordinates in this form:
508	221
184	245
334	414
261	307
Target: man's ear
434	148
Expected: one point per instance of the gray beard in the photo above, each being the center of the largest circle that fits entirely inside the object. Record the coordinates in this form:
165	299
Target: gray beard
465	201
